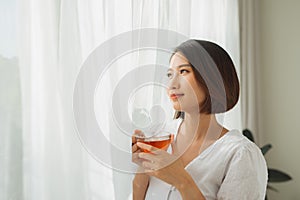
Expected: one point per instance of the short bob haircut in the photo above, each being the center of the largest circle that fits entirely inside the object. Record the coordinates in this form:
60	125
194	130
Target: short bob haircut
214	72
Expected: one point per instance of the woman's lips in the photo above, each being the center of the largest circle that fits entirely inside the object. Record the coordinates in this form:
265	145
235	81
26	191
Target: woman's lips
175	96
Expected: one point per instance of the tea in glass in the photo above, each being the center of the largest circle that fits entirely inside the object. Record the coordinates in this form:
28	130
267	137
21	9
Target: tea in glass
159	141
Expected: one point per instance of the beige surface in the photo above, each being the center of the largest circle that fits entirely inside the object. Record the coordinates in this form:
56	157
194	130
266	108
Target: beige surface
280	74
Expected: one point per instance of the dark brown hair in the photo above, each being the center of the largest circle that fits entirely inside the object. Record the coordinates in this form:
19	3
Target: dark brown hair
214	72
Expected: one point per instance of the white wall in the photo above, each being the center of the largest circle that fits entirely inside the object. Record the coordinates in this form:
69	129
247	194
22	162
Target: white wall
280	74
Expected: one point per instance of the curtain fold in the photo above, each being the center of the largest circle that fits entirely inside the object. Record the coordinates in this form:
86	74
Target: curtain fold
57	36
53	161
249	45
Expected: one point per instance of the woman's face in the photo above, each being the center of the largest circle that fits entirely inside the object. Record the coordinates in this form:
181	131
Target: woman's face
183	88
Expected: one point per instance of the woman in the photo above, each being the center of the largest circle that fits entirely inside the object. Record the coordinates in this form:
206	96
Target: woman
207	161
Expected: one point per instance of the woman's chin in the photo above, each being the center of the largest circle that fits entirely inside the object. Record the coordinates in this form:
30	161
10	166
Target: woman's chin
177	107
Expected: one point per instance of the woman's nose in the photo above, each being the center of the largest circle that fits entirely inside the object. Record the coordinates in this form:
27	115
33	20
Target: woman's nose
174	83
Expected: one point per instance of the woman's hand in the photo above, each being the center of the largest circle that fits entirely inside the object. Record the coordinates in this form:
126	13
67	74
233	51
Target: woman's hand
159	163
166	167
170	169
141	180
135	149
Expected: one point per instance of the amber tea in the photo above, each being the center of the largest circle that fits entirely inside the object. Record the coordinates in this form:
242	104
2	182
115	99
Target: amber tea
161	142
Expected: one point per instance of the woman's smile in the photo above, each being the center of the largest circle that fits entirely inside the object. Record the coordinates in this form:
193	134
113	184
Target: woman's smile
175	96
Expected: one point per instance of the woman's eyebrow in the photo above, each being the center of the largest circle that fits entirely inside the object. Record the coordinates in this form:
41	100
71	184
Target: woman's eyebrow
179	66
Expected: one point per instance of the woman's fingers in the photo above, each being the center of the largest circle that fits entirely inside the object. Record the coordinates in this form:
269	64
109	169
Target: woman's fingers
137	133
154	160
147	147
134	139
134	148
147	156
135	156
148	161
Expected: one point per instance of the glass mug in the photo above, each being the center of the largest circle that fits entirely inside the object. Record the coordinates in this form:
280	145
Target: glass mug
159	140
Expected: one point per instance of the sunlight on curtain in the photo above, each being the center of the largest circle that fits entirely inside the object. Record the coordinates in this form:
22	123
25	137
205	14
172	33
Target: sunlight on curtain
57	37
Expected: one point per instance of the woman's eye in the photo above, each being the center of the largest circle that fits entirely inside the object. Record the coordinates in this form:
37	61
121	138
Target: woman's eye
183	71
169	75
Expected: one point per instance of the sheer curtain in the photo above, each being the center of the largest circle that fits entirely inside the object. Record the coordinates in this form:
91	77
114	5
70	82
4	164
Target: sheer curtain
56	38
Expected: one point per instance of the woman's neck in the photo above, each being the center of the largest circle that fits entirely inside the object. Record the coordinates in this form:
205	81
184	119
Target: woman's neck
199	126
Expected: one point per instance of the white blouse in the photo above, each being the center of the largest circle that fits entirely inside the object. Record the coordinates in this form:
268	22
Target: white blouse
231	168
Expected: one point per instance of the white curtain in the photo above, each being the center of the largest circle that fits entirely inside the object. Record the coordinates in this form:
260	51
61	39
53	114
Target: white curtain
55	38
10	106
250	98
10	130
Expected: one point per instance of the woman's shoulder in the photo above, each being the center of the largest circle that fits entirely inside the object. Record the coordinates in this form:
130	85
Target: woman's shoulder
236	138
245	162
238	152
235	142
232	144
